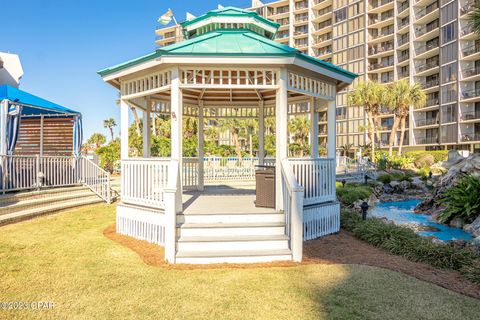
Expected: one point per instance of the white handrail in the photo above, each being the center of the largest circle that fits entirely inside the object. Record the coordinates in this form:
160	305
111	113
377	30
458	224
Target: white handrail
96	179
293	209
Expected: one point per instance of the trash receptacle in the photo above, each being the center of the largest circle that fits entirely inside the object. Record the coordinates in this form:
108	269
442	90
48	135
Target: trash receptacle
265	186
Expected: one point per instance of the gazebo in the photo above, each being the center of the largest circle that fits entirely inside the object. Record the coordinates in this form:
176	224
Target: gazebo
228	66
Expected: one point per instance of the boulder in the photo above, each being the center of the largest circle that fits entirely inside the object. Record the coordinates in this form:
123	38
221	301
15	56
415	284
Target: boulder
476	242
457	223
388	188
473	228
454	157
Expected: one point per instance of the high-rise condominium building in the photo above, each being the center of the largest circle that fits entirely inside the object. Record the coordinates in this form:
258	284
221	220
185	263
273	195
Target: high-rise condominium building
429	42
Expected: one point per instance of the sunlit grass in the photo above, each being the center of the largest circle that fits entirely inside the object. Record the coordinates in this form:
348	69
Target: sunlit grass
65	258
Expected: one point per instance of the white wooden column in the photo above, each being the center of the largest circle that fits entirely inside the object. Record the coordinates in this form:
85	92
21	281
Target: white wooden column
331	127
200	146
313	129
146	134
176	132
124	110
281	146
261	134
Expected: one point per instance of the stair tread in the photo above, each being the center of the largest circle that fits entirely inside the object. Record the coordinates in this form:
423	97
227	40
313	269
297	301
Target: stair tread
230	213
232	253
26	194
231	225
54	207
232	238
72	195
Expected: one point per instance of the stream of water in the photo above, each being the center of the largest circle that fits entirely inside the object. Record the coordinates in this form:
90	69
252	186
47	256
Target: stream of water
401	212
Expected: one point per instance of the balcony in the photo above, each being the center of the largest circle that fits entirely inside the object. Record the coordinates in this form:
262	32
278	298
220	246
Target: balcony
466	30
401	41
470	116
404	6
403	57
471	49
427	66
420	31
426	122
380	65
432	102
301	5
427	140
427	47
428	9
470	72
403	24
470	137
430	83
301	19
380	48
471	93
322	38
403	74
377	4
468	7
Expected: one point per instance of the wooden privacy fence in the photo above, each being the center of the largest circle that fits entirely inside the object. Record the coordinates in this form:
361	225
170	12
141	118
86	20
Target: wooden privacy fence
22	172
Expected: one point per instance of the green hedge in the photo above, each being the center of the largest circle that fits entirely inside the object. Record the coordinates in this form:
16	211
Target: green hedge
404	242
352	192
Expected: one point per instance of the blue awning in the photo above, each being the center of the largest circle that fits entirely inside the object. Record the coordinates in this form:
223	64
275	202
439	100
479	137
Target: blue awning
33	105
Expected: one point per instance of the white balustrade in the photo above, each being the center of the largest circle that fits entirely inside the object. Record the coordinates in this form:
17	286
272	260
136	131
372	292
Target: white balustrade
317	176
144	180
190	173
96	179
59	171
18	172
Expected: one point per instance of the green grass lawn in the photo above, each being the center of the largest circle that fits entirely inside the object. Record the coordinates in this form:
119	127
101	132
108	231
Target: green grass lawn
65	258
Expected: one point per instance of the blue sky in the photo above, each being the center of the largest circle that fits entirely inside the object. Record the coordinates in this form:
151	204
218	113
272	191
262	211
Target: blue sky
63	43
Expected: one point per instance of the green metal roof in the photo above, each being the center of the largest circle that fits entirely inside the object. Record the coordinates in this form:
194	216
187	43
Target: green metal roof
230	12
228	43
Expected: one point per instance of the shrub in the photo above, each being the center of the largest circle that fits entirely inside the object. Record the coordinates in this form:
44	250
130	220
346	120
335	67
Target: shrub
438	155
404	242
425	160
462	200
109	155
385	178
353	192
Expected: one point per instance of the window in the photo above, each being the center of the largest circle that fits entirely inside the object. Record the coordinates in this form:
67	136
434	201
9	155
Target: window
449	73
449	12
449	32
449	52
340	15
449	93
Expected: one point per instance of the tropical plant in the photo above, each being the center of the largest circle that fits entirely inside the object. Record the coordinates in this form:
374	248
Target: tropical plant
233	126
462	200
299	129
346	148
474	18
371	96
109	155
96	139
400	96
110	123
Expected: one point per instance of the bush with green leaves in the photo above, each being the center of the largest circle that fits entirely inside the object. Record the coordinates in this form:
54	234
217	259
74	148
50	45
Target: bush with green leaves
385	178
405	242
462	200
438	155
352	192
109	155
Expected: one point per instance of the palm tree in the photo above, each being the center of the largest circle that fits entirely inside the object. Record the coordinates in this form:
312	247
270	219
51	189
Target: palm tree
402	95
370	95
299	128
110	123
233	126
474	18
96	139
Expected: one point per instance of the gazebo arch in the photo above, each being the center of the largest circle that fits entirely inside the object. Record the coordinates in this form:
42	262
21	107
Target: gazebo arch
228	66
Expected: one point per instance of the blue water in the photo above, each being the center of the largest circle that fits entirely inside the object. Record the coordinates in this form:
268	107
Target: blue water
401	212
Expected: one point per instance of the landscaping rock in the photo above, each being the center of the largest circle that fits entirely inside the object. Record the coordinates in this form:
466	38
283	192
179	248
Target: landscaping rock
457	223
476	242
473	228
388	188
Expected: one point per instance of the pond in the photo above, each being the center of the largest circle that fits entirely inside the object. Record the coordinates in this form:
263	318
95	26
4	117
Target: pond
401	212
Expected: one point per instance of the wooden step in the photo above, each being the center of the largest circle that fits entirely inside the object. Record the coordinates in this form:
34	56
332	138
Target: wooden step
35	202
231	229
23	195
233	243
237	217
34	212
233	256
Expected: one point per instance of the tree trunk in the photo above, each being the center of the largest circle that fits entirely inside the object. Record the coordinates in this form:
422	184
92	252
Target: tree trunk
236	142
137	121
251	145
371	131
376	121
402	135
111	133
392	136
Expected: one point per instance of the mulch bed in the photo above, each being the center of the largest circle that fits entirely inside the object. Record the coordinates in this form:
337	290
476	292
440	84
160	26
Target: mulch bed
342	248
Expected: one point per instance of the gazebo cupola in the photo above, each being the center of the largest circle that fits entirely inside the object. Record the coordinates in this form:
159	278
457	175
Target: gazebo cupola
232	19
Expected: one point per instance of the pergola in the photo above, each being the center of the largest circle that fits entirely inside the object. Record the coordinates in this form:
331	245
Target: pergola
228	67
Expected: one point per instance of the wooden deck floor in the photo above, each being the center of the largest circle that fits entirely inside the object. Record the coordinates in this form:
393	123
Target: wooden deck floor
222	199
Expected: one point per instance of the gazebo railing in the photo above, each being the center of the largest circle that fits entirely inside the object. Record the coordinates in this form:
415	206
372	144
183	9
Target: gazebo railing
190	173
144	181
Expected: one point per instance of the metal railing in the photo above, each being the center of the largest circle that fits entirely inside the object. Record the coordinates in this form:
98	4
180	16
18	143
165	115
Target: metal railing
472	93
470	137
430	83
426	122
420	31
427	65
470	72
405	5
427	140
470	116
428	9
471	49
